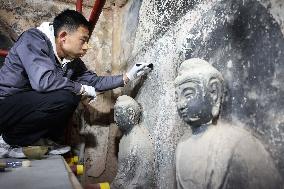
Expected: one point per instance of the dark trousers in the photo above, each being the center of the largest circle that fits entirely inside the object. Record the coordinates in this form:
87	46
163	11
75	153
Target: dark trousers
28	116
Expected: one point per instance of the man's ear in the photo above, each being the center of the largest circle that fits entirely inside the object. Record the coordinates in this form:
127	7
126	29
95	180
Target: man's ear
62	36
215	92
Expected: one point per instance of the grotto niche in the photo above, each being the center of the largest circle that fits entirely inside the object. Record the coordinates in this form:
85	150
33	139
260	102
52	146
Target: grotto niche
241	39
216	154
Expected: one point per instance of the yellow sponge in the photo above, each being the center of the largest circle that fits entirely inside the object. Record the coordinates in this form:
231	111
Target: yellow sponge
104	185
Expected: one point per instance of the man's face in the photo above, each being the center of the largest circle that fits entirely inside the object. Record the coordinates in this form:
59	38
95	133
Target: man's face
75	44
193	103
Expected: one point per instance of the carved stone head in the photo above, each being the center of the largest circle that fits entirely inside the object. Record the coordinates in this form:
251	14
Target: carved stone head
199	92
126	113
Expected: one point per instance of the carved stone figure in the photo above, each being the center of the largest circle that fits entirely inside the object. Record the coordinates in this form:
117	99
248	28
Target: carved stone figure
136	151
216	154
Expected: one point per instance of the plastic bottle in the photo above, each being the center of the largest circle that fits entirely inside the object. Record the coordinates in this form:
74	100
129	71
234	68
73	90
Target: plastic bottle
10	164
13	164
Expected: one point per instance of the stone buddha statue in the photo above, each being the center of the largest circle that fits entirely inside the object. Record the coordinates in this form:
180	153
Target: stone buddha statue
216	154
136	151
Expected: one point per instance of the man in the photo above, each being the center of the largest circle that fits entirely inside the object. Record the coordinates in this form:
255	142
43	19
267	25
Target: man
136	150
221	155
43	80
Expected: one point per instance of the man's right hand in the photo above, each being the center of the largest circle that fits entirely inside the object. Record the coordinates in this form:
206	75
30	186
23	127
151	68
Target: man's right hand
138	70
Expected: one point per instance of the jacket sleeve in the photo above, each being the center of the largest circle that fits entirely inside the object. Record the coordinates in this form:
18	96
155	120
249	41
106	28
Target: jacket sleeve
35	53
101	83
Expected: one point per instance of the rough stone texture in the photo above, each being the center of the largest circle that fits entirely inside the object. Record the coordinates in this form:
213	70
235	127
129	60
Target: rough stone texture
97	150
216	154
130	20
136	150
23	14
110	170
7	38
135	160
225	156
157	17
242	39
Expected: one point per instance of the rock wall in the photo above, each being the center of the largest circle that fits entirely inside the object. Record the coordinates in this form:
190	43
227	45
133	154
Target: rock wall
242	39
7	37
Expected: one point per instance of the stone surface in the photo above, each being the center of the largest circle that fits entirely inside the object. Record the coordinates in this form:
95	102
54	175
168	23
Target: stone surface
97	150
111	157
7	38
243	39
225	156
20	15
216	154
135	160
136	150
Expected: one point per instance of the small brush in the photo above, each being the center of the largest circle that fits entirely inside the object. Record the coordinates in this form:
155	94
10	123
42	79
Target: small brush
151	66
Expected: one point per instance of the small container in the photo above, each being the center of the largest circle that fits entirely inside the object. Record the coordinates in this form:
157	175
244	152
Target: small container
72	160
35	152
104	185
77	169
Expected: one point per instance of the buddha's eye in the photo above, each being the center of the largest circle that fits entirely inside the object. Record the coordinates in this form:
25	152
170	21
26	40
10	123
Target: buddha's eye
189	92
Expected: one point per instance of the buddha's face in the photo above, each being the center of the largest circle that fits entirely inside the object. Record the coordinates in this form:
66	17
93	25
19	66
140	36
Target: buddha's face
126	117
193	103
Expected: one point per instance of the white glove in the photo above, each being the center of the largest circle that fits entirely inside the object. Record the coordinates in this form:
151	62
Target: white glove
89	91
137	70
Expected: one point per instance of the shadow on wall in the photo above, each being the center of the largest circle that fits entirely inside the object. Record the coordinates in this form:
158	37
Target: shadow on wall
247	45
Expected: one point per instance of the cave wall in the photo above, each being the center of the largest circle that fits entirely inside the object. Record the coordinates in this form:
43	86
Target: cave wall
242	39
7	38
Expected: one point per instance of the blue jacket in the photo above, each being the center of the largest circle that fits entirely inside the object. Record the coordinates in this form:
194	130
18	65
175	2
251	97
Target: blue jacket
32	65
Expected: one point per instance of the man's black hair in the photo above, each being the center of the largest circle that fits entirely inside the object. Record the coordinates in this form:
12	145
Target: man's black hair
71	20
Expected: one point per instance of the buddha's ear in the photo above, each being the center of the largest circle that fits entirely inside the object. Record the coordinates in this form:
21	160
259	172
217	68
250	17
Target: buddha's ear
215	92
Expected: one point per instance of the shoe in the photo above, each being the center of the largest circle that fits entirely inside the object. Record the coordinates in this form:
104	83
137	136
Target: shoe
53	147
4	148
59	150
16	152
8	151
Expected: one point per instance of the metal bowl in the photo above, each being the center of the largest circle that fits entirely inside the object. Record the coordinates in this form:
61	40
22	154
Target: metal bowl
35	152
